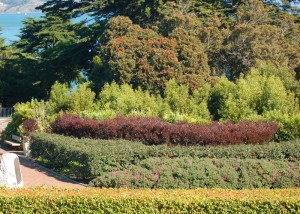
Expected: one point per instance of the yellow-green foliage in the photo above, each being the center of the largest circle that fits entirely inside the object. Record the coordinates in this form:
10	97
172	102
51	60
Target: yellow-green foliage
176	105
99	114
262	95
82	99
283	73
177	96
126	101
254	96
40	200
35	109
59	99
184	106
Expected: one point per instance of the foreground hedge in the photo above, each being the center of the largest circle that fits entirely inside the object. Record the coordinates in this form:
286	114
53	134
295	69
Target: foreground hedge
191	173
154	131
39	200
87	158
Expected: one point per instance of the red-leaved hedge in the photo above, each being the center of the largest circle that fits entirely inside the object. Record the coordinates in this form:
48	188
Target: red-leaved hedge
153	131
29	126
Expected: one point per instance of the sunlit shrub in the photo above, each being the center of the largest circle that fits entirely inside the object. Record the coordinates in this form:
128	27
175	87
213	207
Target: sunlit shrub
155	131
189	173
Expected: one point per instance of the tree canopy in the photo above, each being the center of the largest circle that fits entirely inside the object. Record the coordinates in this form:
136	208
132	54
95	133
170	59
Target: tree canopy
146	43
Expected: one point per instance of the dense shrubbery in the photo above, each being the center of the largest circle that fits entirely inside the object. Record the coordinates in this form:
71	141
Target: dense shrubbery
86	158
264	95
221	134
41	200
76	100
189	173
32	111
81	99
289	125
134	165
155	131
176	105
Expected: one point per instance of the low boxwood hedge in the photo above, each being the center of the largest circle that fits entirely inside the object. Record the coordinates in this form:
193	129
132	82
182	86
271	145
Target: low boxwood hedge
39	200
84	158
190	173
87	158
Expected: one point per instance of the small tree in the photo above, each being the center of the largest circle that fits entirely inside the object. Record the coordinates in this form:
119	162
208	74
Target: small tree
82	99
59	98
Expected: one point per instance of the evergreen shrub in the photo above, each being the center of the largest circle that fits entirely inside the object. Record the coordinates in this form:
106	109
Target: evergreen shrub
34	111
190	173
87	158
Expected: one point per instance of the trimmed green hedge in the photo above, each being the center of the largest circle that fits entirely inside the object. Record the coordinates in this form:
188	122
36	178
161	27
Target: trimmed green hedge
191	173
39	200
86	158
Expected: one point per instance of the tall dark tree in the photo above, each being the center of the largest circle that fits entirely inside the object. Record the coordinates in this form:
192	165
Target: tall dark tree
58	48
14	85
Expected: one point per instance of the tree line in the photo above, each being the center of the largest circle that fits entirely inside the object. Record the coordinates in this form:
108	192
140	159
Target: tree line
147	43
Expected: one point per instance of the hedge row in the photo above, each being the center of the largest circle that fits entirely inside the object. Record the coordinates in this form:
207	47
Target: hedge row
39	200
154	131
190	173
87	158
84	158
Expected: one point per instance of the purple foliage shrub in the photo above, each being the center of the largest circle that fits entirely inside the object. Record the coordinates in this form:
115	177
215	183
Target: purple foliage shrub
29	126
154	131
222	133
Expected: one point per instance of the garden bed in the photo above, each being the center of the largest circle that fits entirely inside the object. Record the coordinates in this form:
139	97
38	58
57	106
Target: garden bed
87	159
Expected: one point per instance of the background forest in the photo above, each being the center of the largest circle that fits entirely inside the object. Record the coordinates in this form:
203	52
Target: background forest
194	60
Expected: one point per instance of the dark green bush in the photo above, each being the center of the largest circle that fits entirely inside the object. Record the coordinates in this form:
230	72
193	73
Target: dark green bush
86	158
189	173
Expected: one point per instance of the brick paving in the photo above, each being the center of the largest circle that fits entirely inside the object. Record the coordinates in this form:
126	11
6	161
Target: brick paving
37	175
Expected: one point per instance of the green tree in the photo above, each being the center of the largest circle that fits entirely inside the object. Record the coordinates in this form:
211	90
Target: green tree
178	98
222	91
258	36
142	57
14	82
55	49
3	51
82	99
59	99
148	42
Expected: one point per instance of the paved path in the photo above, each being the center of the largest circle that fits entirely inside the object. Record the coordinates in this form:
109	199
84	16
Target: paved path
37	175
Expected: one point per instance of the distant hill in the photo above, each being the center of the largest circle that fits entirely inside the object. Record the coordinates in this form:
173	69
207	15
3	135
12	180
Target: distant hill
19	6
